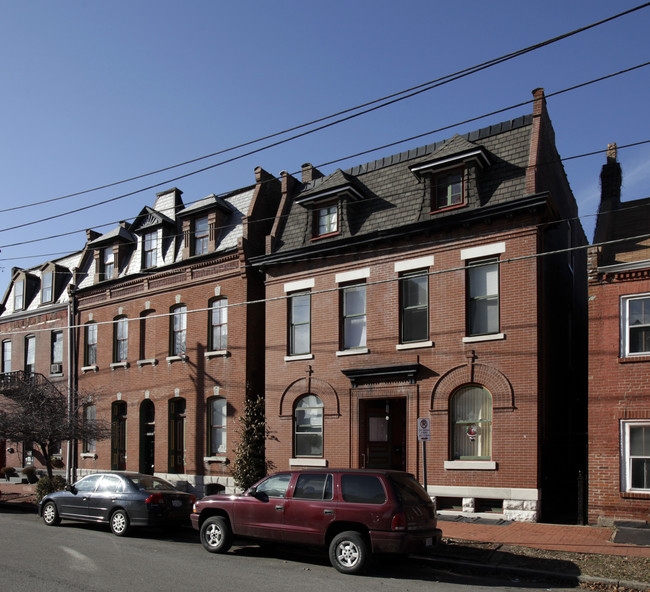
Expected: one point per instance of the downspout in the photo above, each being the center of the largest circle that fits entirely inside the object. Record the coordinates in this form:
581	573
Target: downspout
71	460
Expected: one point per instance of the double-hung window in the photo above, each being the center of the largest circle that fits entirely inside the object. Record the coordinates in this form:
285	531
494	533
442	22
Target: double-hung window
90	351
635	325
635	463
6	356
108	262
308	426
327	219
201	235
150	250
354	316
217	416
178	330
47	288
218	338
121	339
414	307
56	354
483	297
448	189
30	354
19	295
300	324
89	444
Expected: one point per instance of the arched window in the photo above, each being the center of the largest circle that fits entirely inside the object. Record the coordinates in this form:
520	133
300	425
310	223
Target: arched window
217	419
471	423
308	426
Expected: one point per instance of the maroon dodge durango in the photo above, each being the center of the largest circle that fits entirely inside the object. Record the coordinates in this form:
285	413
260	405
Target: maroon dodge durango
353	513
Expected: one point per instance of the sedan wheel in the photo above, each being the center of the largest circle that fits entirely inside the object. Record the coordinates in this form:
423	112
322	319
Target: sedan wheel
216	535
51	515
120	523
349	552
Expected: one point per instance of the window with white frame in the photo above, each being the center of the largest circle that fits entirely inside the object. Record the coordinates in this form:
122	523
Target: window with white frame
30	354
635	325
47	287
299	324
217	416
483	297
19	295
6	356
201	235
327	219
150	249
56	353
121	339
218	338
178	330
471	423
414	307
108	262
635	436
354	316
308	426
90	348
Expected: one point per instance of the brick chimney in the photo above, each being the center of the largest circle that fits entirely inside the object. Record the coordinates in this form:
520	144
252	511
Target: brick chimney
610	193
310	172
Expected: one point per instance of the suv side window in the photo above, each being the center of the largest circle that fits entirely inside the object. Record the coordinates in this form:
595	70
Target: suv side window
362	489
275	486
317	486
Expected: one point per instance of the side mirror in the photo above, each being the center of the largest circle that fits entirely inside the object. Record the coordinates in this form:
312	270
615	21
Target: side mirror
71	489
252	491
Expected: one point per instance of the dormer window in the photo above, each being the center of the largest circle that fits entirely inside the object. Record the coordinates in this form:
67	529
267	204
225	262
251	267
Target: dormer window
19	295
201	235
108	263
326	219
448	189
149	249
47	287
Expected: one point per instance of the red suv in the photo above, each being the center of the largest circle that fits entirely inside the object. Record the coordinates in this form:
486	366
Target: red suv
352	512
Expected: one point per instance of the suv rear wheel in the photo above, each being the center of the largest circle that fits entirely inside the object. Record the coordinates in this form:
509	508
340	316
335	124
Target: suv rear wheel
349	552
216	535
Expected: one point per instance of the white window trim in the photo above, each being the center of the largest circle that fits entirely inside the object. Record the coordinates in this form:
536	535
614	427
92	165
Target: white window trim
300	285
307	462
353	352
483	251
488	337
625	455
299	357
411	264
351	276
471	465
625	344
413	345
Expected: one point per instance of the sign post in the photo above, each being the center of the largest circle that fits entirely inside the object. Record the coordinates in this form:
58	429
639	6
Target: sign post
424	435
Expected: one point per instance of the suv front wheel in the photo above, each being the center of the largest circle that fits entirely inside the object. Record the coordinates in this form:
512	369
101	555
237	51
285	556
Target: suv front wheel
216	535
349	552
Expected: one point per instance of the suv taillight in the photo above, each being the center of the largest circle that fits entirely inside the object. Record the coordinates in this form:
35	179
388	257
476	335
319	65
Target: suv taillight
399	522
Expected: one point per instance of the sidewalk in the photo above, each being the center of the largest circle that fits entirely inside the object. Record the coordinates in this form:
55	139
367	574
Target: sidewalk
554	537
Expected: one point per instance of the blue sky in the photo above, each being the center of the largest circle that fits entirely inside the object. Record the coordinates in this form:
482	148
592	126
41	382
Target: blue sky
96	92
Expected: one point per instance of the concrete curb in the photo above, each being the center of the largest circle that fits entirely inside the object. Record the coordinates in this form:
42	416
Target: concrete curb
525	571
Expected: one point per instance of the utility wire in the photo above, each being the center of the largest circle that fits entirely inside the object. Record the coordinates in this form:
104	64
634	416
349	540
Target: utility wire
367	107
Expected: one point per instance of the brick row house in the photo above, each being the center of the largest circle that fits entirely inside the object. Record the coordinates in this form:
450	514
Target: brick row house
35	336
445	283
619	351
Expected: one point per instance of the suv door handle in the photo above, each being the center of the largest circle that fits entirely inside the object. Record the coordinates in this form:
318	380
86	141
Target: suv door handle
328	512
279	508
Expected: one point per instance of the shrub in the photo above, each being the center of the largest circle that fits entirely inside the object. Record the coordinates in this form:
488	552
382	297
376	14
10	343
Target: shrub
249	465
47	485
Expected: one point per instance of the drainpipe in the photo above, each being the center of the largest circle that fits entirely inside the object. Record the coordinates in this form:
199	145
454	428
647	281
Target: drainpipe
71	459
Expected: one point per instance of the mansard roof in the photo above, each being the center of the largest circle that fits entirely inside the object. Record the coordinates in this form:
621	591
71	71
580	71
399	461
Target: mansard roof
207	203
118	234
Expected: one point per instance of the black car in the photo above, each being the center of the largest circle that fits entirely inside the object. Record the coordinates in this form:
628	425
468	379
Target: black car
120	499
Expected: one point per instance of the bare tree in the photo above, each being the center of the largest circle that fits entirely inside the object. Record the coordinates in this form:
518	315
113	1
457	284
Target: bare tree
32	409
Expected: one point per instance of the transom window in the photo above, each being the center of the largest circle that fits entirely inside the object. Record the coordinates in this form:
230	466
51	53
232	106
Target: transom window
201	235
327	220
300	324
308	426
636	455
635	321
448	189
218	338
47	287
414	307
471	423
483	297
178	330
354	317
150	250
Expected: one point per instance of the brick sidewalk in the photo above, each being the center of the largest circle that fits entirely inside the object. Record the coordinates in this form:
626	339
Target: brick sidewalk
556	537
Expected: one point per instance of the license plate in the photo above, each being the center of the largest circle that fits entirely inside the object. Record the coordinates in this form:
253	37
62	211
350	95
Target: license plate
177	503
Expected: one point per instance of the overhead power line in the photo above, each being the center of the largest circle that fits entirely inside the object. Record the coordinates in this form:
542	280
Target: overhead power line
363	109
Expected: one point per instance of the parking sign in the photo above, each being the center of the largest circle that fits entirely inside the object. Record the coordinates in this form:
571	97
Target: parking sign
424	429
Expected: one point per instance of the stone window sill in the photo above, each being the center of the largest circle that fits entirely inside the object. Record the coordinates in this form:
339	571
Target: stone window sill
478	338
93	368
216	459
471	465
307	462
220	353
147	362
353	352
300	357
116	365
172	359
417	345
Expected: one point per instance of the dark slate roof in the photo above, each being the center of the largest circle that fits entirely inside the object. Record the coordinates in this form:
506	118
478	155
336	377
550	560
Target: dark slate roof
630	221
209	202
118	233
394	196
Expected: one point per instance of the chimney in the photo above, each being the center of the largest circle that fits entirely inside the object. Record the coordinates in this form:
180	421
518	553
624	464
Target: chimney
310	172
91	235
610	194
